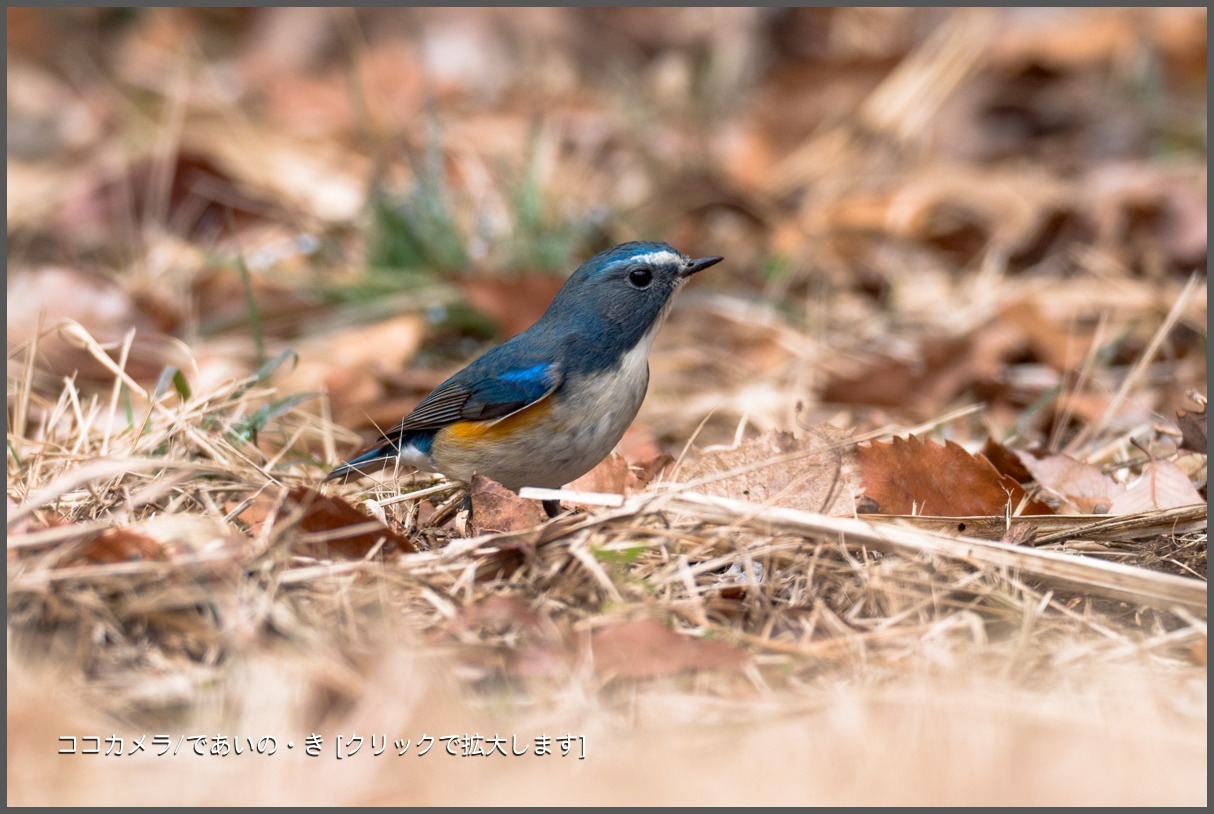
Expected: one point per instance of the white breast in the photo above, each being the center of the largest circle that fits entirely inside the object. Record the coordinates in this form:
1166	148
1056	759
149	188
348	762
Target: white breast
601	411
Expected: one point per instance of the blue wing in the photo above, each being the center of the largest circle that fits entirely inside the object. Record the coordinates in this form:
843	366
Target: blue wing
485	390
497	384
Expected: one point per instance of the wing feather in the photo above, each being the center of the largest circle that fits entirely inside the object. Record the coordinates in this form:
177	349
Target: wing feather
475	395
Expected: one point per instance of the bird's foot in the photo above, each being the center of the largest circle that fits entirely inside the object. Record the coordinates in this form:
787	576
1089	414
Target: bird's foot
552	508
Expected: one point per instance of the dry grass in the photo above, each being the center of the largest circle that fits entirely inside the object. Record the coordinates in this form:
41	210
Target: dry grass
967	671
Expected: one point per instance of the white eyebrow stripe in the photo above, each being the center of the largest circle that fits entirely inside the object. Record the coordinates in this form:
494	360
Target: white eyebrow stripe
659	257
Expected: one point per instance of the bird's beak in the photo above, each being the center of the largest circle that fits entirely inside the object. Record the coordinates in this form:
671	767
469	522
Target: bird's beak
695	266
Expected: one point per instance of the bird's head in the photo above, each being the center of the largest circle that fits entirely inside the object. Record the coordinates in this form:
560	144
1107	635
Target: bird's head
629	286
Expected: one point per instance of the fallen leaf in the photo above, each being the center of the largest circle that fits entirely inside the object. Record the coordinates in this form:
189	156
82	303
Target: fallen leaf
1197	652
647	648
496	509
1083	484
952	208
262	508
823	481
1005	460
315	177
1162	486
612	475
1135	205
915	476
113	546
1194	427
310	511
1070	38
639	444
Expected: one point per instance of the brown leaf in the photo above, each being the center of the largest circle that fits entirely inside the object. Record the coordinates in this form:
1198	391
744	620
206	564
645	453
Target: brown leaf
116	545
1195	429
1005	460
1065	39
639	444
1134	205
823	481
965	208
612	475
1163	485
915	476
310	511
647	648
496	509
1084	485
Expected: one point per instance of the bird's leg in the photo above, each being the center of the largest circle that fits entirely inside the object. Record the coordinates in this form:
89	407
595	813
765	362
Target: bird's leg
552	507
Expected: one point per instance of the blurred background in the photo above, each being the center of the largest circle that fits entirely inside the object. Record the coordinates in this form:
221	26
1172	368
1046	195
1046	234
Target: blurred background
390	191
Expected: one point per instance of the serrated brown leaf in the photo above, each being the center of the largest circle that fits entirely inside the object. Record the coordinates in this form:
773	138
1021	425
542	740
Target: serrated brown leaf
496	509
823	481
916	476
1083	484
646	648
312	512
1163	485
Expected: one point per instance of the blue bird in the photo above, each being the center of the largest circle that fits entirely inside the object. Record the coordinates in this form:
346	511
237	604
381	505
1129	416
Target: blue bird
544	407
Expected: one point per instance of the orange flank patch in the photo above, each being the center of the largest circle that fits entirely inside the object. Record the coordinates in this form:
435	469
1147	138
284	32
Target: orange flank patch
463	432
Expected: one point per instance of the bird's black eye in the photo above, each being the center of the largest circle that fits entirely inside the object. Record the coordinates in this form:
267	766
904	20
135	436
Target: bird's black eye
640	277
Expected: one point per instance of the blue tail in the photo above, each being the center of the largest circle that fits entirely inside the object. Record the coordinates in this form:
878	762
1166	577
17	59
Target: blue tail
382	454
